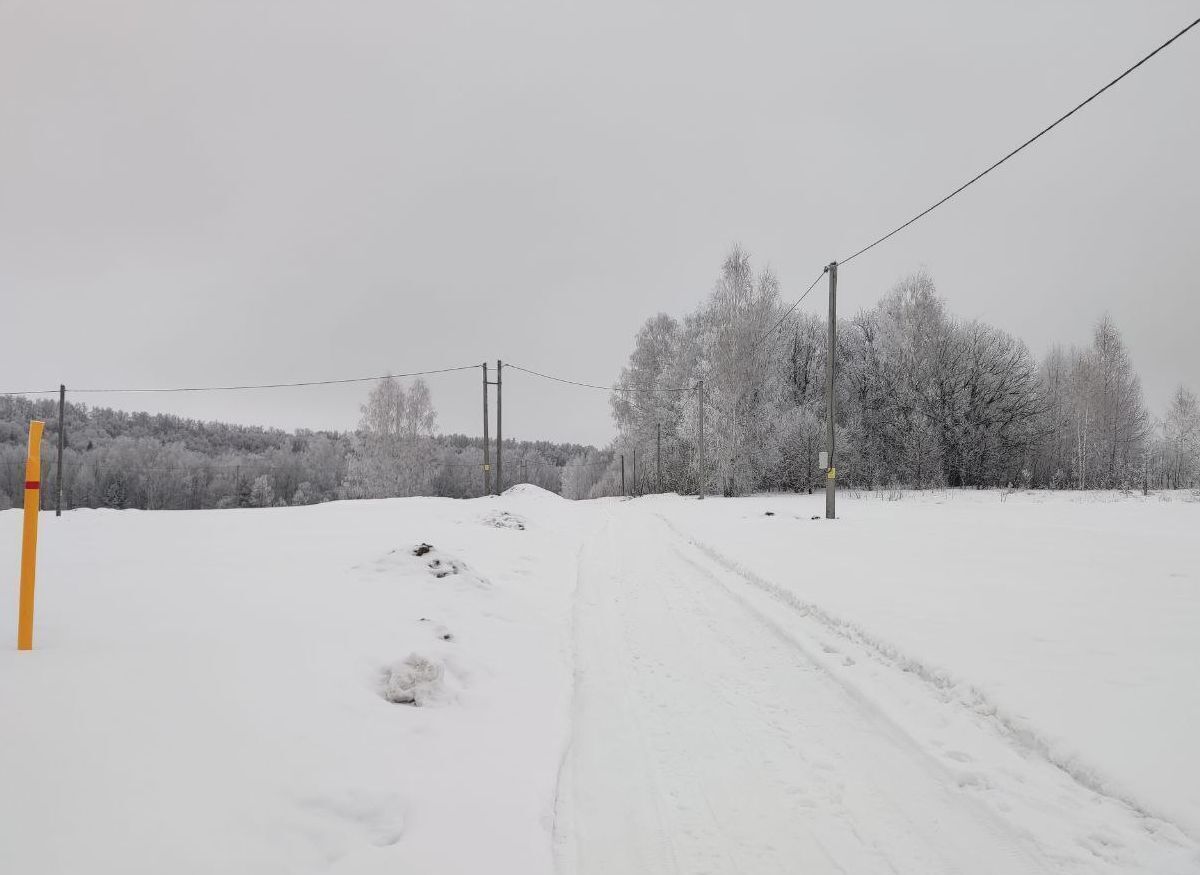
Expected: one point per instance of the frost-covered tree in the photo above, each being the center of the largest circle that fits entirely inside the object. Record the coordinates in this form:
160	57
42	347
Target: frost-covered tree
1122	424
1181	441
305	493
738	385
582	475
115	495
262	493
394	453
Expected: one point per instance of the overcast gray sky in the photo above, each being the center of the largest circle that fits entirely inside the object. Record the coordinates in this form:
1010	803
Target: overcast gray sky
202	191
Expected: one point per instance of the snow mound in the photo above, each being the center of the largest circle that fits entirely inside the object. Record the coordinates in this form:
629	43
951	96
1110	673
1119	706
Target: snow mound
531	490
415	680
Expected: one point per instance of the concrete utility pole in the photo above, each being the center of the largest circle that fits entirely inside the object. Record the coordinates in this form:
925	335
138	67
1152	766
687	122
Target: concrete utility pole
499	429
62	403
830	368
700	445
487	452
622	473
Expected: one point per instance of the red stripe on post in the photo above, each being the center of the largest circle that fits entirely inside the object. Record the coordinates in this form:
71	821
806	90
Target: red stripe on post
33	484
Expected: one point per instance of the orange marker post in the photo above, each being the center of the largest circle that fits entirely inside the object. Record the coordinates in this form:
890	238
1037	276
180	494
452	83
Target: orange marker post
33	490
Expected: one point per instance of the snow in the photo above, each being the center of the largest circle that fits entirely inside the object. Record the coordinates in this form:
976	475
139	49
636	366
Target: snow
948	682
1074	615
205	693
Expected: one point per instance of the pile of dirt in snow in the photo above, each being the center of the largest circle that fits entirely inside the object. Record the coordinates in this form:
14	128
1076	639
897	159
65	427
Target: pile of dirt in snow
425	559
439	565
416	680
502	519
530	489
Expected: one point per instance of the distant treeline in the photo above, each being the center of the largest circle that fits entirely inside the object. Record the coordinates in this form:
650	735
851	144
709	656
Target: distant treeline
119	459
924	399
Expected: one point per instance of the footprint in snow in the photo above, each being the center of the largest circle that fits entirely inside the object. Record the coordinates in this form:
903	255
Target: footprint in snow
354	816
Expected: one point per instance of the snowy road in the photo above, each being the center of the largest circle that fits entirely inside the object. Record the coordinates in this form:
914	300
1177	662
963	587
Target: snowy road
712	734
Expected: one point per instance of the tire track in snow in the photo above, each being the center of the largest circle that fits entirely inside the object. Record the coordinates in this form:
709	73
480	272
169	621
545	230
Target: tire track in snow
576	824
701	744
1014	729
939	773
1011	843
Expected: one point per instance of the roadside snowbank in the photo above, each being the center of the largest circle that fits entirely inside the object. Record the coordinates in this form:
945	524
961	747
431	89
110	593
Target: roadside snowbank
289	690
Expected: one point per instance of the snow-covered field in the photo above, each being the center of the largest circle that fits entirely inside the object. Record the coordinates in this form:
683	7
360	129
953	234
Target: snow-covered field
205	693
950	682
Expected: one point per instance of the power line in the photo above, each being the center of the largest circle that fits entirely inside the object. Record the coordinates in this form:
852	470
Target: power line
283	385
254	386
1019	148
596	386
789	310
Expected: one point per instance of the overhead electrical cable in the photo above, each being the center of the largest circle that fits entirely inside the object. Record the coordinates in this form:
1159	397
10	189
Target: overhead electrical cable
978	176
74	391
789	310
597	386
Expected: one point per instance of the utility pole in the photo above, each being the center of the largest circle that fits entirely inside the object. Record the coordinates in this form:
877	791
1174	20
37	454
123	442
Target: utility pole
830	368
62	403
499	430
487	453
658	459
700	444
622	473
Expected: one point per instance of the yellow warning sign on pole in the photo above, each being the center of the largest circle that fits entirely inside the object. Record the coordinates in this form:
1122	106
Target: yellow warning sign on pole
33	495
831	474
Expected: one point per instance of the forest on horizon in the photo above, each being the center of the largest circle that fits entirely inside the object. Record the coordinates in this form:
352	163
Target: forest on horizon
923	399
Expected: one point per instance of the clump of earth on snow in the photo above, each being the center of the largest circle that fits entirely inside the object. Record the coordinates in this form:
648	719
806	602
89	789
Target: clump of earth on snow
440	631
439	566
502	519
415	680
428	559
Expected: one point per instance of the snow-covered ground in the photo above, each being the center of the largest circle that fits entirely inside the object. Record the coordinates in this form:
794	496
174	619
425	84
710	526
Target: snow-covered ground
205	696
950	682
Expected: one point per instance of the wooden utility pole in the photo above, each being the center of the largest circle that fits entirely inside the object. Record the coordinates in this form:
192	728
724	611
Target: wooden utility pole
830	373
700	445
58	490
499	429
487	452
